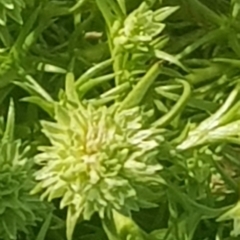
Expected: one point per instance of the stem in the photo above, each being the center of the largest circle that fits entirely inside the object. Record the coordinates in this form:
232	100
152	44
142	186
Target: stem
92	72
136	95
211	36
214	120
204	74
167	118
9	132
94	82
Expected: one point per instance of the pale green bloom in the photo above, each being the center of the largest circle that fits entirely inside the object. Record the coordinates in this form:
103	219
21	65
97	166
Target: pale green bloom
139	29
99	159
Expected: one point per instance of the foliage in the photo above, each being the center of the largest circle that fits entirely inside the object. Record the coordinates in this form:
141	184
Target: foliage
19	210
127	119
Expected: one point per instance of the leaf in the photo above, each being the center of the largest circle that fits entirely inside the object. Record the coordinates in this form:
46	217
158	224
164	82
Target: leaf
169	58
31	86
159	234
110	228
3	17
177	108
62	115
9	131
5	36
235	8
207	38
201	10
15	14
45	105
8	4
122	5
139	91
94	82
70	87
43	231
18	45
4	92
231	61
9	225
164	12
160	106
91	72
50	68
72	217
117	90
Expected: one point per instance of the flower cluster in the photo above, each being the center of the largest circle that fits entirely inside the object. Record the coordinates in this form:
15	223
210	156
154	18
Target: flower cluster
99	159
139	29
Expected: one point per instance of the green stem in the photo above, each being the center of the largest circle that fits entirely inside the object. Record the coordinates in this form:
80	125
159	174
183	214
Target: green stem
9	131
204	74
117	90
189	204
92	72
215	119
25	30
93	83
118	57
210	37
167	118
136	95
109	228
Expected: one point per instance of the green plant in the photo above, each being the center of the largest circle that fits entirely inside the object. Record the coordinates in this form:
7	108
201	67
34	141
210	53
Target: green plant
18	210
143	142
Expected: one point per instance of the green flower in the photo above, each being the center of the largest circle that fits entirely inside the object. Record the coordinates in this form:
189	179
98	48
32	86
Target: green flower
139	28
18	209
12	9
99	159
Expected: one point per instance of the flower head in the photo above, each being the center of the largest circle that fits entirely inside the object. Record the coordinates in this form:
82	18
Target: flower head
139	29
99	159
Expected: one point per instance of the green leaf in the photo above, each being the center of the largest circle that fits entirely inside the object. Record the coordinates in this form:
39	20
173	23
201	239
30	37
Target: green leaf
117	90
3	17
43	231
91	72
16	14
72	218
9	131
139	91
201	10
169	58
177	108
235	7
94	82
206	39
70	87
45	105
164	12
31	86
